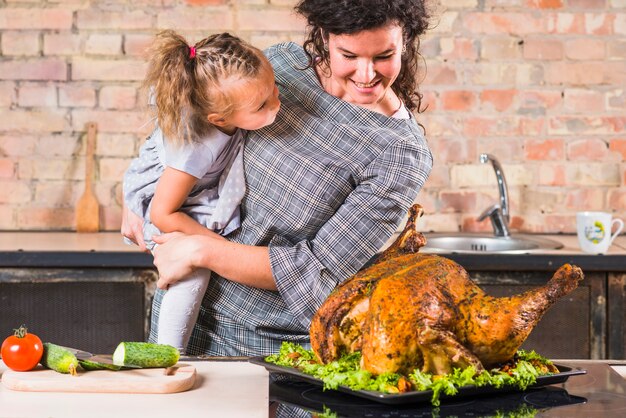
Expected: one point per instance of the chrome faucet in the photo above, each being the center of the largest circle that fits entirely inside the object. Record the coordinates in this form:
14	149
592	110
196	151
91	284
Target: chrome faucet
497	213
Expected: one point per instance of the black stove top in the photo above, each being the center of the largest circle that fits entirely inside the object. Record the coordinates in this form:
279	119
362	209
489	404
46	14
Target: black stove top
599	393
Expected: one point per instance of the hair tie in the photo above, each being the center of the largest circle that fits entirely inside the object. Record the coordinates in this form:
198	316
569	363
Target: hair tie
192	52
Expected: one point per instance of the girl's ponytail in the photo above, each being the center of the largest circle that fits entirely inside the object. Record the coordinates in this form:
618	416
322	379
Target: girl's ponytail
170	79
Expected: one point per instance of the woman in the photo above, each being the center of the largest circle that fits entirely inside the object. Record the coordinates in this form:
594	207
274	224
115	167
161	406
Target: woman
328	182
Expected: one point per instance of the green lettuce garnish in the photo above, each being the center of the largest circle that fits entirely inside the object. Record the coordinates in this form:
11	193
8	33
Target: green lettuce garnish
346	371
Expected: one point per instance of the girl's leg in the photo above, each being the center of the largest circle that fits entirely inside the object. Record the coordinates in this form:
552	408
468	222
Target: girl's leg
180	306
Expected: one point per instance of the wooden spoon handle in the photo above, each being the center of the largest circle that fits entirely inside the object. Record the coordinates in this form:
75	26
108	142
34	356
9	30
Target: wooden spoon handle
90	149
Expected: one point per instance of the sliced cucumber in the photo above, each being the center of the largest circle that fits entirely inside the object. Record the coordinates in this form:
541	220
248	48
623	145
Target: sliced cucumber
145	354
94	365
58	359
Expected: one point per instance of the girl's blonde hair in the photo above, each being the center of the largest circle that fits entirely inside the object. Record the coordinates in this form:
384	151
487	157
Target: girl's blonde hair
187	81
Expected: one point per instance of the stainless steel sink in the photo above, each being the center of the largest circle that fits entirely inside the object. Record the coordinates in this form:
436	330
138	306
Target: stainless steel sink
475	243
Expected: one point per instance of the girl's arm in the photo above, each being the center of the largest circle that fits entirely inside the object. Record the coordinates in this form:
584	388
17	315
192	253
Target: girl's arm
172	189
178	255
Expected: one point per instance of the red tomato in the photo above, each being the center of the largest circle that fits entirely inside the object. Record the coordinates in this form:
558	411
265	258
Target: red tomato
21	351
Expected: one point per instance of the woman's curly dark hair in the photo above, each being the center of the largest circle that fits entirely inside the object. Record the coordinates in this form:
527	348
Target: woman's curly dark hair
341	17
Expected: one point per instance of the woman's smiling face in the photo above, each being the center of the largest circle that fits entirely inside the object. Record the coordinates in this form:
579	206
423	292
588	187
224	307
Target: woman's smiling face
365	64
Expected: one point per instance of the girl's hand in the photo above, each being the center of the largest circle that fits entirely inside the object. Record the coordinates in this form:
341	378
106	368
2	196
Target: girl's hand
132	228
172	257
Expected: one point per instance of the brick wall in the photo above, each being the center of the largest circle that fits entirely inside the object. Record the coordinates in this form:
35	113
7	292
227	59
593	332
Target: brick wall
538	83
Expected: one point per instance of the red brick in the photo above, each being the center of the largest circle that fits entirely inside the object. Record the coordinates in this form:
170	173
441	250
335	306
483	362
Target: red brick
34	69
501	47
532	126
51	219
76	95
22	19
17	145
619	24
507	23
583	100
7	168
107	70
20	43
509	148
593	174
544	149
543	49
585	199
118	97
540	99
616	100
585	49
37	95
571	125
61	44
63	145
112	169
7	217
33	121
440	74
575	73
14	191
618	146
587	4
429	100
99	19
111	218
459	201
7	94
457	100
599	23
103	44
458	49
269	20
587	150
567	23
110	121
205	2
617	200
454	150
544	4
551	174
137	45
196	19
481	126
500	100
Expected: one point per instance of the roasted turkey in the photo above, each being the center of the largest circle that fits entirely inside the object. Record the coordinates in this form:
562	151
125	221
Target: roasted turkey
421	311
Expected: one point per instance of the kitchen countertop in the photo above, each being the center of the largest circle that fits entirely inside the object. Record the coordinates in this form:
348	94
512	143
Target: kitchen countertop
107	250
234	389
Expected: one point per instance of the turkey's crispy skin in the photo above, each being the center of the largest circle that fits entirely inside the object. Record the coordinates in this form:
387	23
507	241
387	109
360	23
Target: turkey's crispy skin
418	311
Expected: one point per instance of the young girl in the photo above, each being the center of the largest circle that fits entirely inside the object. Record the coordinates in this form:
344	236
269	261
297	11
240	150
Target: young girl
189	173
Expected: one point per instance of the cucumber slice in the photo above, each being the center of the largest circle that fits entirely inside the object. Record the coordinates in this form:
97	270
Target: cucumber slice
145	354
94	365
58	359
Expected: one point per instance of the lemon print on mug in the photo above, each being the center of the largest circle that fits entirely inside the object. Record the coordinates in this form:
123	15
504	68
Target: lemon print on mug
595	233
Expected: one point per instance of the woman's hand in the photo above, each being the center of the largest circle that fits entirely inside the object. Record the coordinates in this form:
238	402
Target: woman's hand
173	256
132	228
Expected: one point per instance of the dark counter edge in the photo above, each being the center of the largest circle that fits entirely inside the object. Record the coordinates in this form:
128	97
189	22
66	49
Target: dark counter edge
76	259
536	262
473	262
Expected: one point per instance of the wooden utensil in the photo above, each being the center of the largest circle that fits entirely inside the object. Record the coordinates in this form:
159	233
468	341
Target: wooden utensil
87	209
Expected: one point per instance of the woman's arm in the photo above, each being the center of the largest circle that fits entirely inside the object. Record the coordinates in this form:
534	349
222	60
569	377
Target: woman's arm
178	255
171	191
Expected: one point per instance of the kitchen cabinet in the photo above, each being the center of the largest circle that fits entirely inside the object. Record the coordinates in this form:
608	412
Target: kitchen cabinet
574	327
93	291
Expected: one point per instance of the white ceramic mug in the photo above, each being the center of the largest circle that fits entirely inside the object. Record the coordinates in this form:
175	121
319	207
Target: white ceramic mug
594	231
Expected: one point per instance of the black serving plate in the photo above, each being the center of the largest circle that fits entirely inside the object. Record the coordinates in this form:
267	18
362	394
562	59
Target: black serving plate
415	396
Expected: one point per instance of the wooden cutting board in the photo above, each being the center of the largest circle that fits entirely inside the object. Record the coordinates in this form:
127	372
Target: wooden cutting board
106	381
